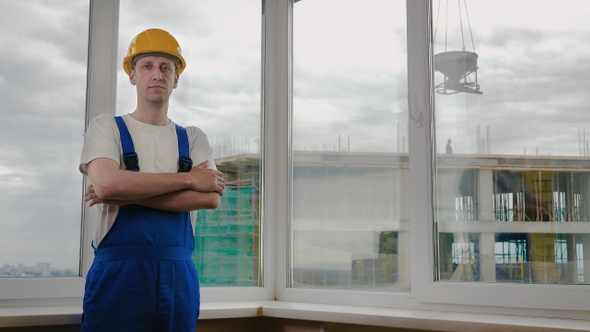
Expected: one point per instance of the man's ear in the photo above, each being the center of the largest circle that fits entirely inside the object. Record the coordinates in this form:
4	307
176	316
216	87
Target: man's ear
176	77
132	76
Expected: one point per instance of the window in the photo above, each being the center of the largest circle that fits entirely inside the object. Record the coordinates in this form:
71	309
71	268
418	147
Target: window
463	218
219	92
43	93
350	225
512	183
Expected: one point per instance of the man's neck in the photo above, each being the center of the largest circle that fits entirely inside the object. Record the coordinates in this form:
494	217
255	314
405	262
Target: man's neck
152	114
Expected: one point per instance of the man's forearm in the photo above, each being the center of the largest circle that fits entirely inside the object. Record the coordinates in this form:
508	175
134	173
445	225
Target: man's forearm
181	201
124	185
111	183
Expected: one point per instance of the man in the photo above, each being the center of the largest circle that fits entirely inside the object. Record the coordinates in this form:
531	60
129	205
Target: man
142	277
449	147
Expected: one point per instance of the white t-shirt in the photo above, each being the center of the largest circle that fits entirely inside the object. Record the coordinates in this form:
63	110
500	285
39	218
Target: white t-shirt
156	148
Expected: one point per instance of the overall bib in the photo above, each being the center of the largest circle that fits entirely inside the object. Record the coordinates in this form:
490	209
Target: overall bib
142	277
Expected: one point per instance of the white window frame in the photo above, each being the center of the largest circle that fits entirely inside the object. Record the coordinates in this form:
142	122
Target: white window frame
503	298
103	100
563	301
69	290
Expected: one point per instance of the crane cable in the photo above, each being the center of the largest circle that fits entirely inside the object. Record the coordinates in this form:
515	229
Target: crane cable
460	22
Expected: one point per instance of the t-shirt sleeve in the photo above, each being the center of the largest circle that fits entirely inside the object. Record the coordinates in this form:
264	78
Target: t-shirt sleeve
200	148
100	141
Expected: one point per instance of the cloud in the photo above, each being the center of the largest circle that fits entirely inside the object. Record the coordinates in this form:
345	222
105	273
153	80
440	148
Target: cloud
220	89
42	87
350	83
350	77
531	72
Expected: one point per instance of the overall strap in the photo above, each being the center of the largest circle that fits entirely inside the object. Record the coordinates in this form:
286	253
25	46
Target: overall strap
129	156
185	163
131	160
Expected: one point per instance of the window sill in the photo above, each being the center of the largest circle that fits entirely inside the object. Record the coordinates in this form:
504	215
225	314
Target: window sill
370	316
20	316
419	319
47	315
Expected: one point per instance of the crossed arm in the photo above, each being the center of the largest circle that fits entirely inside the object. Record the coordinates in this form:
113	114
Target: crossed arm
198	189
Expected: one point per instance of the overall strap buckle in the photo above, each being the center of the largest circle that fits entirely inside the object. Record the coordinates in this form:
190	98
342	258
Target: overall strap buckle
185	163
129	156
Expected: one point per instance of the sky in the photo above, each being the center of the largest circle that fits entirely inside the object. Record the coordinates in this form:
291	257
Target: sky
220	87
42	88
532	72
349	77
349	90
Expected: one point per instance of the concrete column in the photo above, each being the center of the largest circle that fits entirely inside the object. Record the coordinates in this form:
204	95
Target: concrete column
404	237
485	190
487	259
485	213
585	238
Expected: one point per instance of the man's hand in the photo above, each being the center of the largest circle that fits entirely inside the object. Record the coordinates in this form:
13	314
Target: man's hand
207	180
92	199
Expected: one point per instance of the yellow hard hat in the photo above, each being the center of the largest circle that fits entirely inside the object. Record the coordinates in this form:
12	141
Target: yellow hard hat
154	41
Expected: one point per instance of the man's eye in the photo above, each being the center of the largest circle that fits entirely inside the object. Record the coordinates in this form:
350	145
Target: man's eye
165	68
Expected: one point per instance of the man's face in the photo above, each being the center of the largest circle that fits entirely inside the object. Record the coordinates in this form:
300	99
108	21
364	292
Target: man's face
155	78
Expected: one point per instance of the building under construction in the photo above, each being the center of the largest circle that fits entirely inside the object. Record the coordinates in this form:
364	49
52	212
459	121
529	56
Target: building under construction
498	219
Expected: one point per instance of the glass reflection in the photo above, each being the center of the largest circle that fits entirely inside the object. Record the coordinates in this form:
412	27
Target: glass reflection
512	190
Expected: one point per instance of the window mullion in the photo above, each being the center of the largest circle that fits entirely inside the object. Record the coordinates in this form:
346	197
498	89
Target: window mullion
277	142
421	129
101	89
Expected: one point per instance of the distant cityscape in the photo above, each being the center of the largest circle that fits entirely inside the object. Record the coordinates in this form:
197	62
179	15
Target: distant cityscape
40	270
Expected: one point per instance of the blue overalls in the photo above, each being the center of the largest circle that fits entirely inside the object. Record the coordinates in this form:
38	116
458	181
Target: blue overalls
142	277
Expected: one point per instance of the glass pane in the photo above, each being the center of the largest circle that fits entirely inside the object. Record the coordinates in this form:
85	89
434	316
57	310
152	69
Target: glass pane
513	160
350	225
219	92
43	93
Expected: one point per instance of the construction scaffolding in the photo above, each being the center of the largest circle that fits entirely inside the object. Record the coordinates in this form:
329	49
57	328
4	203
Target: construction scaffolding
517	220
227	240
